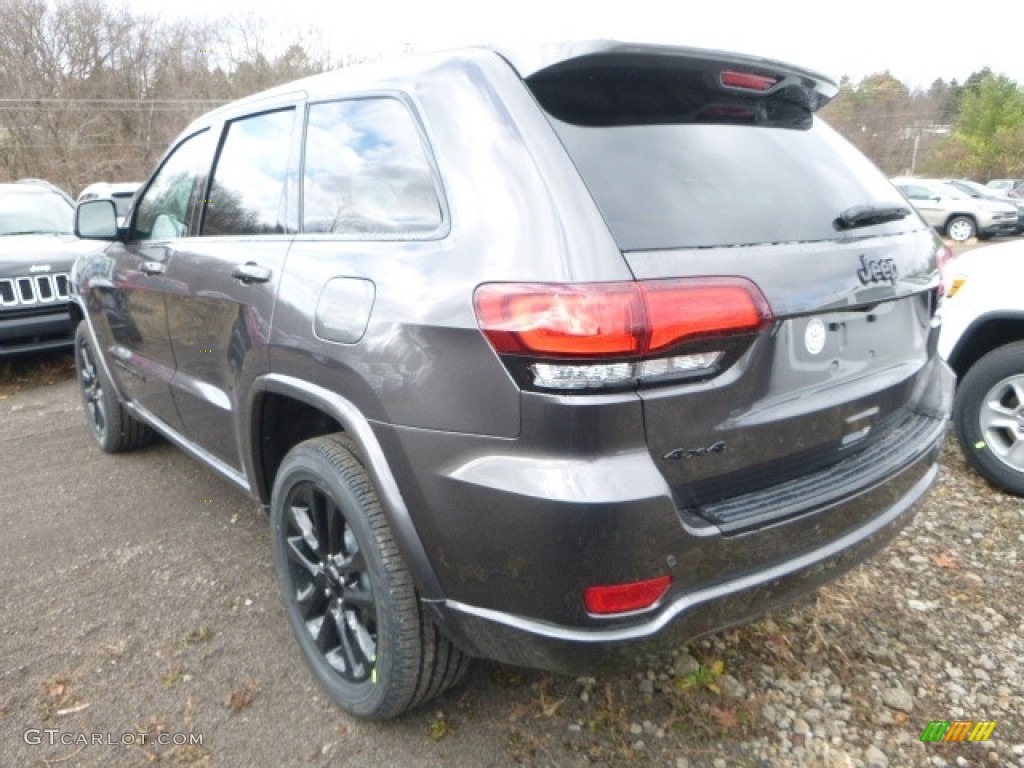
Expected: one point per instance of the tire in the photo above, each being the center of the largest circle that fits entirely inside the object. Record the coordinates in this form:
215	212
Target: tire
349	597
989	417
111	425
960	228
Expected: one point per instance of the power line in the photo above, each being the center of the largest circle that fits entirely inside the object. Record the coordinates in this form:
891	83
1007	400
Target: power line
116	145
146	102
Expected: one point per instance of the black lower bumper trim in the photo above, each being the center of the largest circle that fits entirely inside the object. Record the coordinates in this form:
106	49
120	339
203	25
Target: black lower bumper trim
901	444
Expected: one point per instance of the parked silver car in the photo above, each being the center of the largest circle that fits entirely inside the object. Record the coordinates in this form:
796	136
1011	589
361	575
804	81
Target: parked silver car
974	189
955	213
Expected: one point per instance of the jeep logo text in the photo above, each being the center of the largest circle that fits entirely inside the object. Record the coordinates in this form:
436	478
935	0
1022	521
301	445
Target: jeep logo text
880	271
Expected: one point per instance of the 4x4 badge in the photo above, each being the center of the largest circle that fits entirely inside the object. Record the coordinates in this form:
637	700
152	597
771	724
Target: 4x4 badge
691	453
877	271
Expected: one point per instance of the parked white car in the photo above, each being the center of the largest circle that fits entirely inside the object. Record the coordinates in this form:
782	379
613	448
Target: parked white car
982	339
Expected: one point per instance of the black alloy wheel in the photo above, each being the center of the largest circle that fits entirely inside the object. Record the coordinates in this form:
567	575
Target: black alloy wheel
349	597
92	389
330	583
113	428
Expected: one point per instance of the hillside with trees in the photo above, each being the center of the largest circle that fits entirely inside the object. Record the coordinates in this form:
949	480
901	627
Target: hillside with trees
89	92
973	130
92	92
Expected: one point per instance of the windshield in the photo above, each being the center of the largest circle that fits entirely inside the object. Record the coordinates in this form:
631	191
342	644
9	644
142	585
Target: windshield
973	188
34	212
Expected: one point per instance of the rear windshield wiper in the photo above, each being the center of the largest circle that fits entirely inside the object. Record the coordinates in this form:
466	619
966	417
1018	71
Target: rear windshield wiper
869	215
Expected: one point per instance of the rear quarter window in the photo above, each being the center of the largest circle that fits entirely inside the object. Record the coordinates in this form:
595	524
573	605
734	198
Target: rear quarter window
366	171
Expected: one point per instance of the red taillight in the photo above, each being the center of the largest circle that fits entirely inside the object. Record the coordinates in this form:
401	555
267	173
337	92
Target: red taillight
748	80
944	261
679	310
623	598
596	320
602	320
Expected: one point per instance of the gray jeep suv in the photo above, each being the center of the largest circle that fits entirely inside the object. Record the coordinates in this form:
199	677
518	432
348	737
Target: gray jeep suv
547	356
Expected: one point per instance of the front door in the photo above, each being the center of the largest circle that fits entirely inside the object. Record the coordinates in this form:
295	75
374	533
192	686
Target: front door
220	321
134	307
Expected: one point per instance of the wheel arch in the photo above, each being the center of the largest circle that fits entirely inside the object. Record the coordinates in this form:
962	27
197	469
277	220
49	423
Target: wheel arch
285	411
80	314
986	333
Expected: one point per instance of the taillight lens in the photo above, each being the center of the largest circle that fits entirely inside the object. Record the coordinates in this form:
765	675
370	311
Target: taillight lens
944	260
680	310
615	319
638	325
597	320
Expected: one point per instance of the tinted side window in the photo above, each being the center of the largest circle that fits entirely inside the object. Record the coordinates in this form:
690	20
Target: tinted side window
247	193
166	207
366	170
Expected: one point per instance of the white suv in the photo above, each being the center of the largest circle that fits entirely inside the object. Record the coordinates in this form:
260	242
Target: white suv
982	338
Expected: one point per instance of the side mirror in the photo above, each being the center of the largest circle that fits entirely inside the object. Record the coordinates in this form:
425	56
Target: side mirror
96	220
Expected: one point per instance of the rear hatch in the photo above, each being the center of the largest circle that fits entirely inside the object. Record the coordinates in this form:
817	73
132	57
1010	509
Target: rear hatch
705	164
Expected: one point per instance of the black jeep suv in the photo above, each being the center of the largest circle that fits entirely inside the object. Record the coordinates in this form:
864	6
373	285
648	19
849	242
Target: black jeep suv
544	356
37	249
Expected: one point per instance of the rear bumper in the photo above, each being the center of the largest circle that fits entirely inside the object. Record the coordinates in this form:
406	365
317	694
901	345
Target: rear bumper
690	614
515	536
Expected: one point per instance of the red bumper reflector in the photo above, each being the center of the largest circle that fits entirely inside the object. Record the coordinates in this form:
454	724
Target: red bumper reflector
623	598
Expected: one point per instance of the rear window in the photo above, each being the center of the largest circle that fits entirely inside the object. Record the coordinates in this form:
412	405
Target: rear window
673	160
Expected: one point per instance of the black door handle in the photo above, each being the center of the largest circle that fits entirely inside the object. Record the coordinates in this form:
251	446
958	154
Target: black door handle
251	272
153	268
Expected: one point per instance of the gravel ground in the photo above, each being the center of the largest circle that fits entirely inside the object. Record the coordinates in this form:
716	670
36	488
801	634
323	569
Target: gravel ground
928	630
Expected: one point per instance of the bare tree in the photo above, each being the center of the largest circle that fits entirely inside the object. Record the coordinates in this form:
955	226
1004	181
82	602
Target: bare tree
91	92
